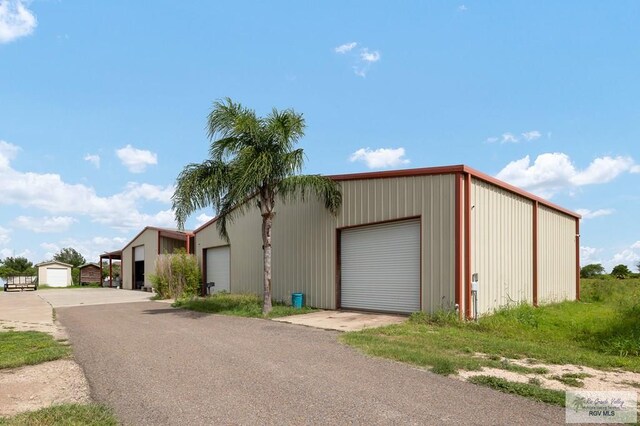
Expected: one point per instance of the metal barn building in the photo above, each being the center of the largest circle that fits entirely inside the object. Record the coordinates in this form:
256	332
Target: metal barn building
140	255
405	241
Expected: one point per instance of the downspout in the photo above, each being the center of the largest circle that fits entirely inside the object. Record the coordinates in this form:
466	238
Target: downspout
467	243
458	243
535	253
577	259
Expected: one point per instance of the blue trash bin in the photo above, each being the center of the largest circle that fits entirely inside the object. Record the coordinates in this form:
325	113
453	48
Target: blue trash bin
297	300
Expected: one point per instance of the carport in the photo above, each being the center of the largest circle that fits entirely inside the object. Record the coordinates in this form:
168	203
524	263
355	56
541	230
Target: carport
114	255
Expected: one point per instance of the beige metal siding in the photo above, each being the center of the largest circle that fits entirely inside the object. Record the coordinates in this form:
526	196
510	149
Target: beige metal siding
304	238
149	238
556	256
501	246
245	255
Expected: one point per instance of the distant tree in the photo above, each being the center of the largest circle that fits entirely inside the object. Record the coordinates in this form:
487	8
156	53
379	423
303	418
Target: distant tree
115	268
592	270
16	266
638	266
620	271
71	256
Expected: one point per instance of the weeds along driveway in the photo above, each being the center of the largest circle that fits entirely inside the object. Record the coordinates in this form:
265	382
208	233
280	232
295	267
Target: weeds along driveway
158	365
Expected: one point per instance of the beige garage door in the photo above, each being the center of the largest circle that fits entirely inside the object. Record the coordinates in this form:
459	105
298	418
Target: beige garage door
380	267
218	268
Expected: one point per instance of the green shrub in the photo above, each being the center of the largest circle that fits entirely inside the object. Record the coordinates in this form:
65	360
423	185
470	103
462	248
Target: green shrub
177	276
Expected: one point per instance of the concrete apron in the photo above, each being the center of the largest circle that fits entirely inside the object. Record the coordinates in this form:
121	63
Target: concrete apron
25	310
91	296
343	320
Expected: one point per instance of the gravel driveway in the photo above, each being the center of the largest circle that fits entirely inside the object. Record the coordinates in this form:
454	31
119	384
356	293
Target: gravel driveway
157	365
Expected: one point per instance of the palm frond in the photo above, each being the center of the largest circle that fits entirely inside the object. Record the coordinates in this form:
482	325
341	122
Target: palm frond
284	128
302	186
199	186
233	125
229	211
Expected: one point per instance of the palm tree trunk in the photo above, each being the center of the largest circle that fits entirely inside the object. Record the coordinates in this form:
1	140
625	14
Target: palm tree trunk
267	219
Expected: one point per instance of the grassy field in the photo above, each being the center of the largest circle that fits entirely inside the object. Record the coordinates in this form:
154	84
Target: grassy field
601	331
65	414
19	348
242	305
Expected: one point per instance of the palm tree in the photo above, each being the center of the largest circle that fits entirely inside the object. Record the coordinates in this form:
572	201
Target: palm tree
252	162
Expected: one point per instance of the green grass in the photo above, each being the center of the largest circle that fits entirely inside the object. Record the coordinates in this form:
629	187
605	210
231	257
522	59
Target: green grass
571	379
19	348
242	305
602	331
46	287
528	390
65	414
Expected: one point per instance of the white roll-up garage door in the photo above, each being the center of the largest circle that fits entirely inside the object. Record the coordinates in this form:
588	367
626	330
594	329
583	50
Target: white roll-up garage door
218	268
57	277
138	253
380	267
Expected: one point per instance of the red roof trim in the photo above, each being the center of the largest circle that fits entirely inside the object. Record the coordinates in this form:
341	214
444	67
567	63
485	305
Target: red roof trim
518	191
443	170
400	173
162	231
204	225
452	170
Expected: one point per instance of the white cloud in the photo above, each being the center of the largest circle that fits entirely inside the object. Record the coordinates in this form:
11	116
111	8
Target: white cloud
93	159
203	218
7	252
380	158
554	172
363	59
345	48
4	235
635	169
15	20
590	214
90	248
531	135
626	256
602	170
48	192
44	224
136	160
146	191
509	138
589	255
369	57
629	256
7	153
463	8
492	139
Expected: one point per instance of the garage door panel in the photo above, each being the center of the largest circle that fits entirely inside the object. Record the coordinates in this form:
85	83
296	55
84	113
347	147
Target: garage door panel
56	277
380	267
218	267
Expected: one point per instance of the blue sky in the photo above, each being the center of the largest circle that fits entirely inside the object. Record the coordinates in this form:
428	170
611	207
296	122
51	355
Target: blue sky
103	103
